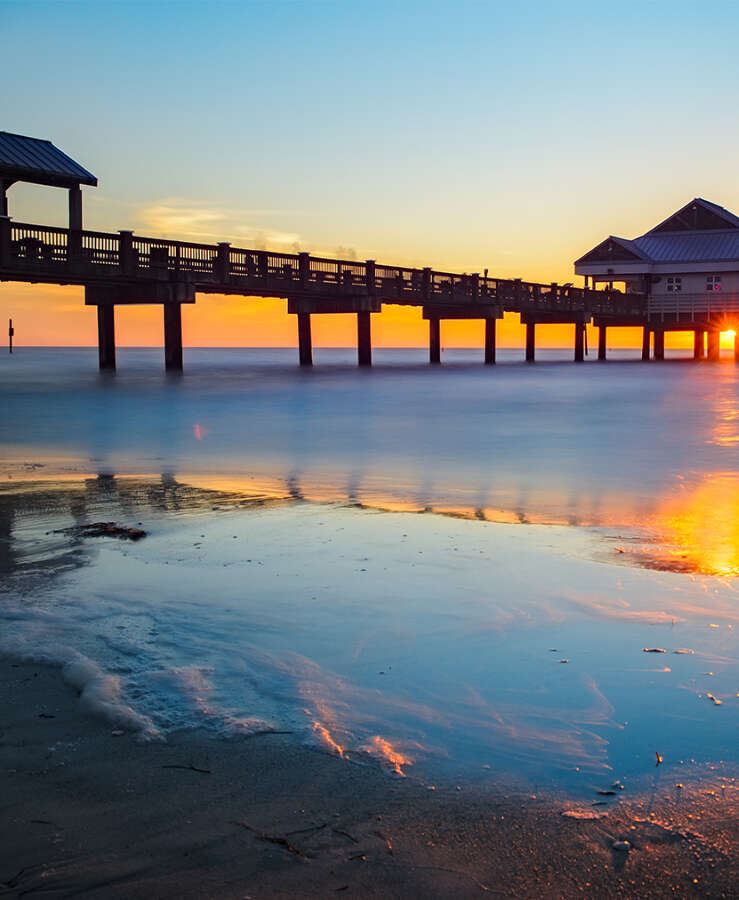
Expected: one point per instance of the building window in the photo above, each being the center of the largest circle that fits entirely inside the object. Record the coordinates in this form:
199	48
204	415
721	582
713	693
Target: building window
713	282
674	285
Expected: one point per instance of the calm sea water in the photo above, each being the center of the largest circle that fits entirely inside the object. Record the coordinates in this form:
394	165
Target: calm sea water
428	642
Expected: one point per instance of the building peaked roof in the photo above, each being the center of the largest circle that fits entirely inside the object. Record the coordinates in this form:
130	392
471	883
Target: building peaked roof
698	215
39	162
700	231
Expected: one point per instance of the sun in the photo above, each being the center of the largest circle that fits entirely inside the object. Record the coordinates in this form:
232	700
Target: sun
730	333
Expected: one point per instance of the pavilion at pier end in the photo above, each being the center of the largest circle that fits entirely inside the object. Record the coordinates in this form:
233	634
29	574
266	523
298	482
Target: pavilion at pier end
688	269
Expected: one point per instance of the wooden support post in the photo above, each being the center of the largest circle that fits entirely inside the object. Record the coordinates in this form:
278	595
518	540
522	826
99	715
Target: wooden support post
106	337
305	344
714	350
698	343
222	262
3	198
74	246
736	346
659	343
646	334
579	341
530	341
602	341
5	229
489	342
364	339
11	332
172	337
434	340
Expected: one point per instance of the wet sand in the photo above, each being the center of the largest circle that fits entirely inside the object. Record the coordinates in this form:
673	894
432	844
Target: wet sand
86	812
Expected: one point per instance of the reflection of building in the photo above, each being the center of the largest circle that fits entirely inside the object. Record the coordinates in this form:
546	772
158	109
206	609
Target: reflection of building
688	266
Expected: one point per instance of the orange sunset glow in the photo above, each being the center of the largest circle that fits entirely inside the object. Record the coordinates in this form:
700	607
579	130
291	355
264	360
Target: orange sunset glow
45	315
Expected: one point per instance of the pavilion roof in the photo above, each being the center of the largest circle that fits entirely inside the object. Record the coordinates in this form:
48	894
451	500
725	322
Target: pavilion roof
39	162
700	231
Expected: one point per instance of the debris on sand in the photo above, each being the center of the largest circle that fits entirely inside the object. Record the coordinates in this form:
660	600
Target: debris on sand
716	701
683	650
104	529
654	650
583	814
659	758
621	845
563	660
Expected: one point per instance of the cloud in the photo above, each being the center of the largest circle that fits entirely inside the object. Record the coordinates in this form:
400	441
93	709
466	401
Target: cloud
174	219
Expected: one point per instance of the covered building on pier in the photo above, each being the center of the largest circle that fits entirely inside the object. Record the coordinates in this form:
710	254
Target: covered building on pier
687	266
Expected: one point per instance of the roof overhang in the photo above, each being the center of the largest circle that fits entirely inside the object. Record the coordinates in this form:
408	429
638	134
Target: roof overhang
38	161
10	175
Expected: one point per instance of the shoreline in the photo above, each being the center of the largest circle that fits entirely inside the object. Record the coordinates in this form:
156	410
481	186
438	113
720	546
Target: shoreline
88	811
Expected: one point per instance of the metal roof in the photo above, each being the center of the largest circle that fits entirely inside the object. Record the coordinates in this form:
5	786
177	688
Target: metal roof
39	162
691	246
685	244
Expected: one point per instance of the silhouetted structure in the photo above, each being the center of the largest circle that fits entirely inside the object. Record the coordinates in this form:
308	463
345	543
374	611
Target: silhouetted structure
121	268
688	268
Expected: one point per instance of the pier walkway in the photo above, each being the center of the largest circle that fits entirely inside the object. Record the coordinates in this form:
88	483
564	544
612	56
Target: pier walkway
123	268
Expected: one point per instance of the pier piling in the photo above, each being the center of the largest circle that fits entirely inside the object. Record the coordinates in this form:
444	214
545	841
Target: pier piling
172	337
530	342
698	343
305	343
364	338
434	340
645	344
714	350
489	342
602	342
579	341
106	337
659	343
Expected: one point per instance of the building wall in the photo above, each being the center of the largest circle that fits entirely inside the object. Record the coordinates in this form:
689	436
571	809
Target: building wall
695	283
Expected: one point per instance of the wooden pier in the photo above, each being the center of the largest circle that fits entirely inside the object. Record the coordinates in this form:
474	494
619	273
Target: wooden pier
121	268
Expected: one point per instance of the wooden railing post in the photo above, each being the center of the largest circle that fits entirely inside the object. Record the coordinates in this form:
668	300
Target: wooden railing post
426	284
370	277
475	284
4	240
223	266
304	270
126	259
262	263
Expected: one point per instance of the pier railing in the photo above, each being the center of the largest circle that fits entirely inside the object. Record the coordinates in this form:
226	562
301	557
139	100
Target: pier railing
691	306
40	252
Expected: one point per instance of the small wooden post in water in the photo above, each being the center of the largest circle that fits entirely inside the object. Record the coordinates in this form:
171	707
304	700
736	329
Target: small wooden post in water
11	332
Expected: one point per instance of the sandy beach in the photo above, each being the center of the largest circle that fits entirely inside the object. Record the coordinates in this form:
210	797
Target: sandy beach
103	797
88	812
376	660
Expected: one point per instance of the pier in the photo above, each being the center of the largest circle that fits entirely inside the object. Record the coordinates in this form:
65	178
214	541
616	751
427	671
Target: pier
123	268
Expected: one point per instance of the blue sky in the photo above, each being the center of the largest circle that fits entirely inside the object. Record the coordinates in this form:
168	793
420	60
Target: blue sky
463	128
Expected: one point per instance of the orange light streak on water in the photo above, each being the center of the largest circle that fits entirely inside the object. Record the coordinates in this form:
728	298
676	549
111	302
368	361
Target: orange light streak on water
383	749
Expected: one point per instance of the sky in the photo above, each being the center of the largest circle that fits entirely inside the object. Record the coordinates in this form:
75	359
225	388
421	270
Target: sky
460	136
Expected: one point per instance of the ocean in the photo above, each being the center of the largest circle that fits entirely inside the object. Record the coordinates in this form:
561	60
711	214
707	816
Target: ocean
452	572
